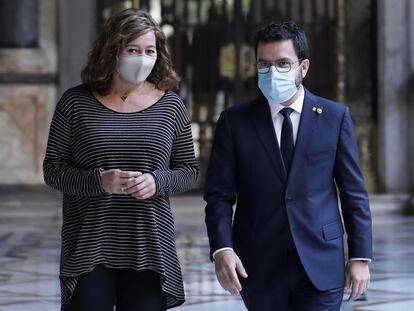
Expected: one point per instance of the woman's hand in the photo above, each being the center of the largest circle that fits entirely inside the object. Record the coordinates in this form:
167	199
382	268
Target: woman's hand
141	187
115	181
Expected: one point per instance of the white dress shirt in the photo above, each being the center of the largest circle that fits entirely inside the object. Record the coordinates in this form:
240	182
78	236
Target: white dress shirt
278	118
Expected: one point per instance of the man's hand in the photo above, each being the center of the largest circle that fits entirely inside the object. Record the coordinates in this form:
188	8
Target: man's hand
142	187
114	181
357	277
228	264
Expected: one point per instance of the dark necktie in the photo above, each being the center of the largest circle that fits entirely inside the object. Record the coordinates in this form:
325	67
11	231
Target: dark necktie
286	144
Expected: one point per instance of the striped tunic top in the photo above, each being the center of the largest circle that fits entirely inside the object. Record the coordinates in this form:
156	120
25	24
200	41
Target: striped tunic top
119	231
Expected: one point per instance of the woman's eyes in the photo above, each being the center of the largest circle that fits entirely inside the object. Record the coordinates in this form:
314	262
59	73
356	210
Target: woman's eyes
131	51
137	51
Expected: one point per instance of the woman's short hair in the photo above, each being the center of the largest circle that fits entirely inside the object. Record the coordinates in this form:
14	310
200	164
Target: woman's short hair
119	30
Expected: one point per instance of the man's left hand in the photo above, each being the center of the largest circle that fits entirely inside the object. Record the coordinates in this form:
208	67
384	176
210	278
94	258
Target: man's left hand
357	278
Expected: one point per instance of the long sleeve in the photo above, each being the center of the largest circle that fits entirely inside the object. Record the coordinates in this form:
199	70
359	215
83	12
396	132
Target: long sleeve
353	195
220	188
118	230
182	174
58	170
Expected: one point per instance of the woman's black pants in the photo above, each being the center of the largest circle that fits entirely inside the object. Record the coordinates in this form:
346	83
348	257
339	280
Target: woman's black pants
129	290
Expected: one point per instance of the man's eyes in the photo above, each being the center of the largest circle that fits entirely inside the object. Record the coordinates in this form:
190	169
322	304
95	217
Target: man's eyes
283	64
277	64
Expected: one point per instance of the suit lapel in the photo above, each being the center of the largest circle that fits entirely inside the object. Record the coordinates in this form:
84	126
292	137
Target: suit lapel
308	123
262	120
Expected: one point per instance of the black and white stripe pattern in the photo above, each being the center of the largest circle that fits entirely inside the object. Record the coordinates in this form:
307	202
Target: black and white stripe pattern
119	231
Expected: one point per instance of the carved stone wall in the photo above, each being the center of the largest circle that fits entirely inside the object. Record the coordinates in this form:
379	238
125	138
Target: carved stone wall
28	86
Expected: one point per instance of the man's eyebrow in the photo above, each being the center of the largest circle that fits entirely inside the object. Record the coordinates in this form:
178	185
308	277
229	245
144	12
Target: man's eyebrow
275	60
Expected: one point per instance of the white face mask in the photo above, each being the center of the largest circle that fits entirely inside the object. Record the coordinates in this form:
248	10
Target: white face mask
136	69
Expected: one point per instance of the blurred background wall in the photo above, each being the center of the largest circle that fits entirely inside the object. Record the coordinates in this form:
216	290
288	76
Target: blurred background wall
362	54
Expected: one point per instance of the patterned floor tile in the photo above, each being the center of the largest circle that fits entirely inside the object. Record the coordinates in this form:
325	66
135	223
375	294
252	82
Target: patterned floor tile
30	250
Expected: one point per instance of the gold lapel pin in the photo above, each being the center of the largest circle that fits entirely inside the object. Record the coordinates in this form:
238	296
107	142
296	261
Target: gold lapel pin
317	110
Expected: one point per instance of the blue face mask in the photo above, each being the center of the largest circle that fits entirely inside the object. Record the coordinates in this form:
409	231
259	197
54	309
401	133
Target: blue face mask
278	87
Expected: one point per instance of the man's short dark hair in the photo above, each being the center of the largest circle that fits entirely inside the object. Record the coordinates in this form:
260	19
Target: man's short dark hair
275	32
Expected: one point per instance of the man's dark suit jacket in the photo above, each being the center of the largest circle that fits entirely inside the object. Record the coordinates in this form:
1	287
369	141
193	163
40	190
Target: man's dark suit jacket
275	206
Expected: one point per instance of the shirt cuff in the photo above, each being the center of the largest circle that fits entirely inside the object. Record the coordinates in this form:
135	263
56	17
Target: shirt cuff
362	259
220	250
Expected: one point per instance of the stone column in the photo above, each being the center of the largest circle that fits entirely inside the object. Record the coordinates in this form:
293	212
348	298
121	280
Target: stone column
28	70
78	27
410	140
395	116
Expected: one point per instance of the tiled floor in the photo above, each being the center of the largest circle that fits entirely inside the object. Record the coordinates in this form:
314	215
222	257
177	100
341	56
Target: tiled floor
29	256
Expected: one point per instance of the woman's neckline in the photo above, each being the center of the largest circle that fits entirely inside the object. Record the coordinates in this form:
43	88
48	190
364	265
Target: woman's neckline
129	112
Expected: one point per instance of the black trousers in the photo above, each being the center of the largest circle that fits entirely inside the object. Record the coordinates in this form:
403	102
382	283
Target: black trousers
129	290
293	291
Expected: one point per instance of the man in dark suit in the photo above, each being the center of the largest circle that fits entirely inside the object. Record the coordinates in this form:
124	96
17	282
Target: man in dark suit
284	157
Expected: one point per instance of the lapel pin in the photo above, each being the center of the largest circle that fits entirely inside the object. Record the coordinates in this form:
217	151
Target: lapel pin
317	110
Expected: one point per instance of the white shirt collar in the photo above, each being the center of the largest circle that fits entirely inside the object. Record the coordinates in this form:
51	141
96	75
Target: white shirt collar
297	105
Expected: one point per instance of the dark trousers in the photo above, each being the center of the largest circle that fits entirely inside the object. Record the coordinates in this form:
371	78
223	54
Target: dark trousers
129	290
293	291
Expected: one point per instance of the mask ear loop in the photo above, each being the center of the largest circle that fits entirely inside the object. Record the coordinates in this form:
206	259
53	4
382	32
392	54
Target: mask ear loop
123	97
299	68
117	65
300	64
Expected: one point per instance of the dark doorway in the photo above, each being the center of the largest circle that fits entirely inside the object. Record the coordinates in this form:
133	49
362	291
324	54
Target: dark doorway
210	41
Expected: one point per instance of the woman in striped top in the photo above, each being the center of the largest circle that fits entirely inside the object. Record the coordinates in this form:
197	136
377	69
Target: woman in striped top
119	145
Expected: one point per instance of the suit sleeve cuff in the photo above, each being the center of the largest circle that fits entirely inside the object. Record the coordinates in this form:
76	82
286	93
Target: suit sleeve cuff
361	259
220	250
